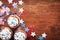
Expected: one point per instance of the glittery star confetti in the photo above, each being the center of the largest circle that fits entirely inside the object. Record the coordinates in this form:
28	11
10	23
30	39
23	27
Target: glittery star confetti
15	5
10	1
8	13
4	7
26	29
32	28
33	34
3	14
21	10
1	23
3	19
21	21
1	3
7	9
20	2
24	12
41	38
22	24
44	35
11	4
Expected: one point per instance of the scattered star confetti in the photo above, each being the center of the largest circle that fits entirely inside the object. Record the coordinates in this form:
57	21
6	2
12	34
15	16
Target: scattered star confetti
18	13
11	4
7	9
44	35
26	29
33	34
32	28
24	12
41	38
8	13
15	5
21	21
22	24
2	11
3	19
1	23
3	14
4	7
29	33
10	1
1	3
21	10
20	2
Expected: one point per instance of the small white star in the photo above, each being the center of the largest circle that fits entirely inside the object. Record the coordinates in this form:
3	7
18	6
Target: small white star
20	2
21	21
44	35
1	3
10	1
33	34
21	10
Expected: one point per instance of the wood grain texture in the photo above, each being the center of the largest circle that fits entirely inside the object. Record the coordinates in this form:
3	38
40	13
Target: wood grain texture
44	15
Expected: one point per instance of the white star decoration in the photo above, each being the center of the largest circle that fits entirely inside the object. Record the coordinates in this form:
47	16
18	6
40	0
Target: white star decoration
44	35
33	34
20	2
1	3
10	1
21	10
21	21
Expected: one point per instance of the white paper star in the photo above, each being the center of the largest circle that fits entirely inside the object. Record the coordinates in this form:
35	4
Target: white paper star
33	34
20	2
1	3
44	35
10	1
21	21
21	10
